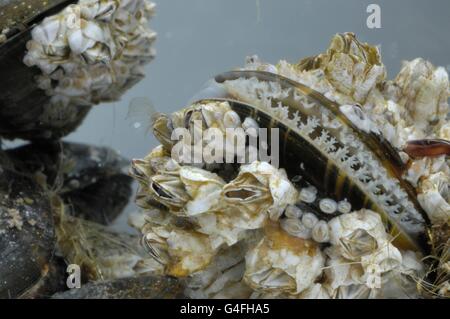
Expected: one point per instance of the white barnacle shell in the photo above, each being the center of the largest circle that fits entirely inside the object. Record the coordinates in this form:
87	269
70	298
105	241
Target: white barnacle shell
361	120
203	187
386	258
169	190
259	189
360	237
309	220
347	72
320	232
182	251
222	228
308	194
283	263
328	205
295	227
424	92
293	211
444	131
357	233
189	191
344	207
223	277
250	126
94	9
433	197
231	119
340	271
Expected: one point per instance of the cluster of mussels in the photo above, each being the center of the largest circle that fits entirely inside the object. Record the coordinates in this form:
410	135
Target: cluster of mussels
57	199
71	55
358	208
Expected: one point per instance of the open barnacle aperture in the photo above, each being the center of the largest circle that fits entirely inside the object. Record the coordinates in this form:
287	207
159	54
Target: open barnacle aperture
58	58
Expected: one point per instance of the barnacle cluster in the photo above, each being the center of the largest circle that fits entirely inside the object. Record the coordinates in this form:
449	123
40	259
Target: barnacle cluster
68	55
350	213
91	51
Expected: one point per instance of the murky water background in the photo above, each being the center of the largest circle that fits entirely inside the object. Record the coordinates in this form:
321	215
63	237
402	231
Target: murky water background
200	38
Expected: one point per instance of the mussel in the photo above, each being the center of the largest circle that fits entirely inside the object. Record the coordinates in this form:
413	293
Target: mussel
60	57
335	197
41	183
27	236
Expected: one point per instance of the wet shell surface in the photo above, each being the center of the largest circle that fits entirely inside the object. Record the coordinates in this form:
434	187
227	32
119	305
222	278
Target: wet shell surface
68	56
342	202
55	198
27	237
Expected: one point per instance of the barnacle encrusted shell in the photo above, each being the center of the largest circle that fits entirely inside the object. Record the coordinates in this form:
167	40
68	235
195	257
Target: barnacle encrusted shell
180	249
349	69
93	50
361	249
68	58
91	180
354	205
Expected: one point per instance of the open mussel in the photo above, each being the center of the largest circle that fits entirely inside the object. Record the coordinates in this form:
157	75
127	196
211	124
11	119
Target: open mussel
58	58
333	204
332	158
27	236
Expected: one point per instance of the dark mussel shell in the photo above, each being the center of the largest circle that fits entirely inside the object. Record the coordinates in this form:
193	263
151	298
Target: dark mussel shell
89	179
53	281
27	235
148	287
24	111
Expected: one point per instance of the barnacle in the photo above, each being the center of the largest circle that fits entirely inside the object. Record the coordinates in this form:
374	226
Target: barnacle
283	263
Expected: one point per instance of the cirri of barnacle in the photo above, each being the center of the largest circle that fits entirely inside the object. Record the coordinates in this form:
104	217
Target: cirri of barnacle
344	201
67	56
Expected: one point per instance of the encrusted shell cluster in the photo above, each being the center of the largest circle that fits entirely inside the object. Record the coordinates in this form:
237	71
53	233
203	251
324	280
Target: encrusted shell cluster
204	218
92	51
413	106
249	230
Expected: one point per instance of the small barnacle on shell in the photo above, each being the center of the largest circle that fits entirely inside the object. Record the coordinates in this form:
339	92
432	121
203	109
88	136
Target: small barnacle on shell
357	234
350	69
181	250
282	262
260	188
68	55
